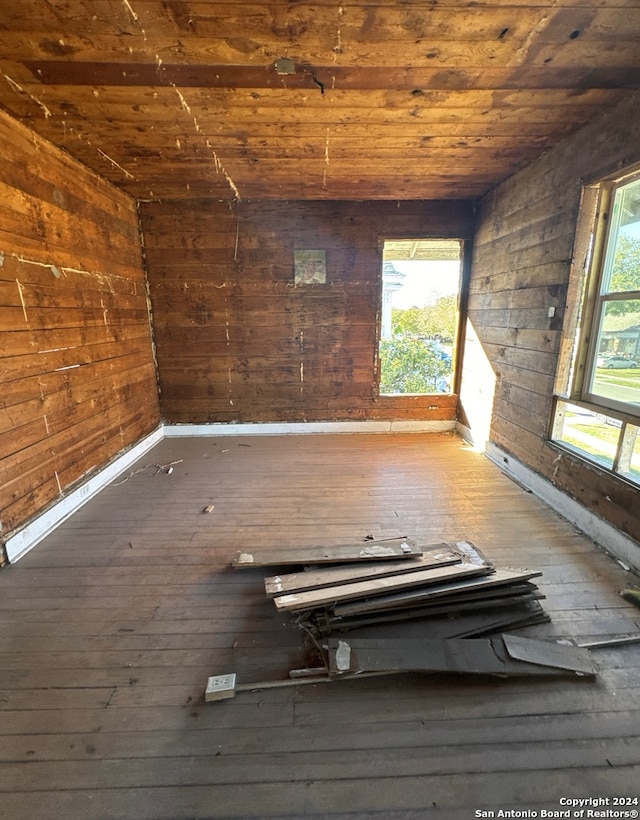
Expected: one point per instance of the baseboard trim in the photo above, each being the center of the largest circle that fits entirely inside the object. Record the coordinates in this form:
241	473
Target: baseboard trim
466	433
32	533
611	540
305	428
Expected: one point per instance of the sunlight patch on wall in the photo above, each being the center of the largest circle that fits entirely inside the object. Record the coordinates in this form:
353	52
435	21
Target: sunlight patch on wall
477	391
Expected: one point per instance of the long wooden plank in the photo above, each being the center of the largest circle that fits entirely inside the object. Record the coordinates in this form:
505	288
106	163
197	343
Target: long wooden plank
477	599
470	655
334	624
476	623
294	582
574	726
397	549
381	586
501	577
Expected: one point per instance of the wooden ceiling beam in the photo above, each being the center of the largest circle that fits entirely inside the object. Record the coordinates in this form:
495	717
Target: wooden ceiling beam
343	78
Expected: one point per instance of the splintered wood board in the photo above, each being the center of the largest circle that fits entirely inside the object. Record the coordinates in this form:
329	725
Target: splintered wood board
480	598
528	619
435	556
409	598
470	655
549	653
399	549
464	625
375	586
435	609
471	553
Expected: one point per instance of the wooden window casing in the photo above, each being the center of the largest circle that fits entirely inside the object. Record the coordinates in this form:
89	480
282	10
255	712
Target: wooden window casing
586	380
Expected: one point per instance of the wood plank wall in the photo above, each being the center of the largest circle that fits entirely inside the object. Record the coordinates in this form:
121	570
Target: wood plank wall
236	341
77	374
523	249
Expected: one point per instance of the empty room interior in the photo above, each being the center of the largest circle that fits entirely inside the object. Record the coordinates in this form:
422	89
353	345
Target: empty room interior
320	409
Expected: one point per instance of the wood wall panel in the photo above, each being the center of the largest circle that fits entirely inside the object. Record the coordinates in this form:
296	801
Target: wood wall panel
523	248
237	341
77	374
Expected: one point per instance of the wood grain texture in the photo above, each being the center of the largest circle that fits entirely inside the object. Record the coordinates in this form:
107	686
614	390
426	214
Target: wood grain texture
366	552
369	589
77	371
527	235
469	586
113	624
182	99
237	341
318	577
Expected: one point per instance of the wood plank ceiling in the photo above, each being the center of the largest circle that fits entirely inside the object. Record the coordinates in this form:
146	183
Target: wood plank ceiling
313	100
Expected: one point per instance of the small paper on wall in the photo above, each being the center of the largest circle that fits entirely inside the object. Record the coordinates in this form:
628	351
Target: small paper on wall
310	267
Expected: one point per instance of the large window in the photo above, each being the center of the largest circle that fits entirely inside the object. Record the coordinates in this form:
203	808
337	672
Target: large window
419	316
598	411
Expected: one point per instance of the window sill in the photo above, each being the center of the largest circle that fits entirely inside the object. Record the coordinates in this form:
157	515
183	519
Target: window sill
608	443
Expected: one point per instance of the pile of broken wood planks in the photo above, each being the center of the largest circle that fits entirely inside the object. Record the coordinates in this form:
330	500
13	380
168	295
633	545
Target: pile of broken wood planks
455	587
382	607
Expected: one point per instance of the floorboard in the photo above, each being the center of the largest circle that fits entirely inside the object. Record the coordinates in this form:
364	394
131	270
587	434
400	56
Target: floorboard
112	625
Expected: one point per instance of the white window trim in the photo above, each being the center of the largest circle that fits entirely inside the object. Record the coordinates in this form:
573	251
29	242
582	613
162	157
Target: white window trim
593	300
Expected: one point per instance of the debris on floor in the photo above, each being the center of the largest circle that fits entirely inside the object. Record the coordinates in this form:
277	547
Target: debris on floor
631	594
501	655
160	468
389	607
452	590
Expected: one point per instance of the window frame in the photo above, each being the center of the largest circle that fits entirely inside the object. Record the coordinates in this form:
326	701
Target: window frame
461	302
581	338
593	301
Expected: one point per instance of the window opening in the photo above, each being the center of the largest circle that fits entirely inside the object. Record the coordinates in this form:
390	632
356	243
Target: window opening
419	316
598	414
613	361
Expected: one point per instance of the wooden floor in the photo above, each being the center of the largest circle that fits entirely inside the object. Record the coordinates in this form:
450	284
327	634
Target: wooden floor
111	626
